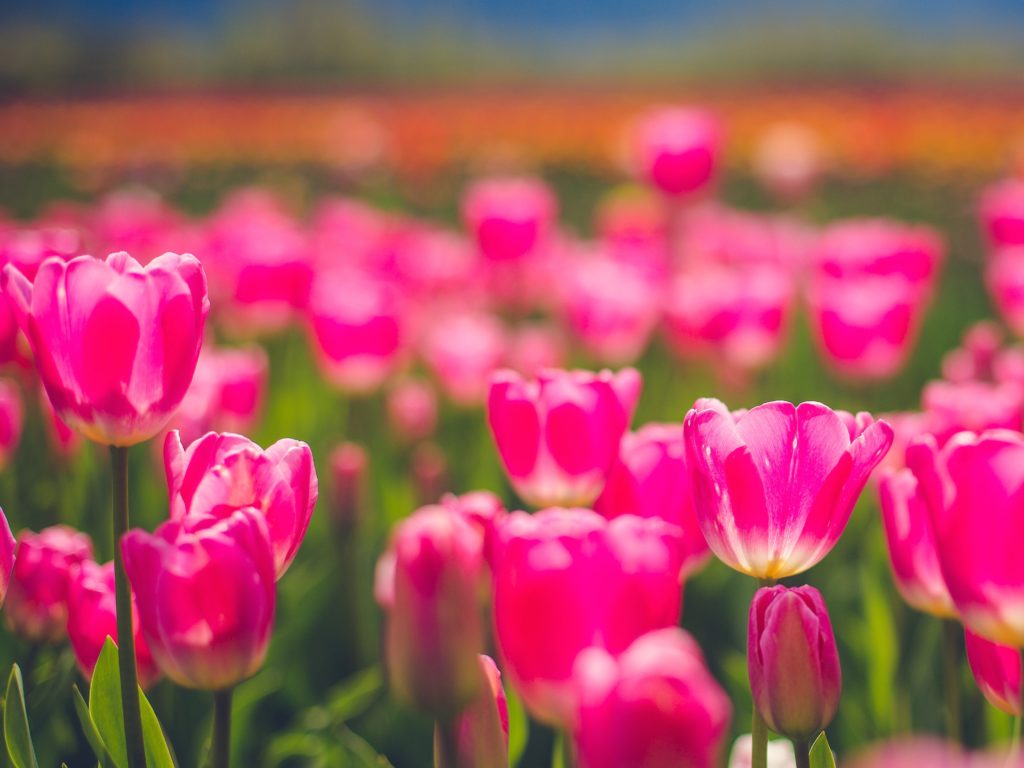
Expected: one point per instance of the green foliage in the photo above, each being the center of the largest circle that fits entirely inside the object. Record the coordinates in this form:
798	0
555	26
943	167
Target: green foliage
16	730
821	753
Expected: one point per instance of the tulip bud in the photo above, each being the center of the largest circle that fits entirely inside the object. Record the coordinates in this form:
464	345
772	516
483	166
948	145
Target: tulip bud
676	149
997	671
7	549
37	596
434	626
10	421
348	470
792	661
412	409
509	217
481	730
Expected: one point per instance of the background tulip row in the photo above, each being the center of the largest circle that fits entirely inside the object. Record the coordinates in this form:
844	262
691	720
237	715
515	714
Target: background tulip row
372	336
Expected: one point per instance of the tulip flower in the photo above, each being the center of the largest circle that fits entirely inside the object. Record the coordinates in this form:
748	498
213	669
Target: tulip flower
558	435
115	343
1001	210
976	357
973	489
676	149
480	732
534	348
434	624
37	595
412	409
567	579
885	248
8	546
973	406
463	350
917	752
92	618
997	671
655	706
793	662
348	464
10	421
357	327
64	441
774	486
509	217
650	479
221	473
1004	278
907	524
205	593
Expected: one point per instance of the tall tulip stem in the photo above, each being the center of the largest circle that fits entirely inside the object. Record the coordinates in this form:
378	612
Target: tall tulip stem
125	634
951	634
446	745
802	753
222	728
758	727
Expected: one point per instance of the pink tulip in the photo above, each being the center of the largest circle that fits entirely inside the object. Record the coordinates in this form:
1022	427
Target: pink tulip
774	486
933	753
906	425
219	474
92	618
115	343
63	439
1004	277
205	592
612	308
861	248
134	220
975	359
997	671
567	579
633	229
534	348
481	730
650	479
788	160
358	329
865	326
10	421
412	409
37	594
676	149
738	315
655	706
793	663
1001	210
462	351
973	489
7	549
509	217
558	435
973	406
348	464
434	624
906	520
712	233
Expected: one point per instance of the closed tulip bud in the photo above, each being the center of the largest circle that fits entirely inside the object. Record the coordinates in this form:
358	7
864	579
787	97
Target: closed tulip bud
655	706
481	730
221	473
412	409
8	546
774	486
676	149
348	471
206	596
115	343
92	618
997	671
559	434
434	623
509	217
792	660
37	597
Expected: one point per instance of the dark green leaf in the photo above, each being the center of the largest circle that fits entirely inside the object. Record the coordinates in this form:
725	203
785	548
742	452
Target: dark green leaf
354	696
821	753
16	730
89	728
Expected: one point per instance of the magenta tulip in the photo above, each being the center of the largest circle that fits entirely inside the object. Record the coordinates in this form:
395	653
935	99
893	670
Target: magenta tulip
206	596
974	489
774	486
37	596
567	579
997	671
221	473
676	149
115	343
1001	210
906	520
1004	278
655	706
92	618
858	248
434	628
973	406
8	546
792	661
480	730
509	217
10	421
463	350
348	462
650	479
559	434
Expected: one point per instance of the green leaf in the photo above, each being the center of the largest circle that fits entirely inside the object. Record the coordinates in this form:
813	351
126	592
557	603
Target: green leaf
16	730
355	695
821	753
91	734
518	727
105	708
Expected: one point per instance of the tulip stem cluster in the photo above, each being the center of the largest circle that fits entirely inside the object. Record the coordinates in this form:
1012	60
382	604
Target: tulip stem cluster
951	634
125	634
221	749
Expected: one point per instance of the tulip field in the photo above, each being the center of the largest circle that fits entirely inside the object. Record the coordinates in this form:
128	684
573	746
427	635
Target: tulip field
688	437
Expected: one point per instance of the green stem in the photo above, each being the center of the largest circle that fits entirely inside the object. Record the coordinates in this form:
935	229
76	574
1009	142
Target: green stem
802	752
951	649
758	741
222	728
125	636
